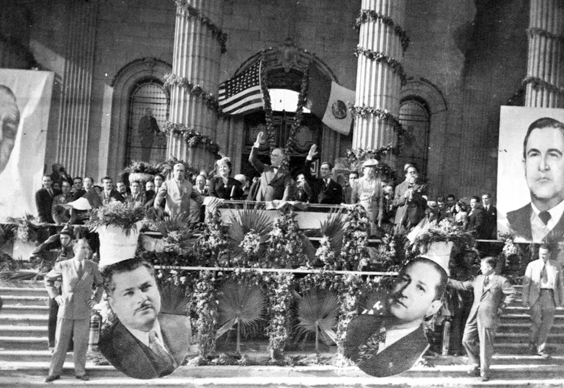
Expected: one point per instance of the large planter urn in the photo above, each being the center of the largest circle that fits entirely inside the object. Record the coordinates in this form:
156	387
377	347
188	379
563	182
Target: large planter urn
116	245
139	176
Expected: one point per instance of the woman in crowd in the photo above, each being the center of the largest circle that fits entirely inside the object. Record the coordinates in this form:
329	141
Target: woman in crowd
461	217
367	191
222	185
137	197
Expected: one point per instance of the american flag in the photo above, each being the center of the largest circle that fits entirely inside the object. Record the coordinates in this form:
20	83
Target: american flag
242	93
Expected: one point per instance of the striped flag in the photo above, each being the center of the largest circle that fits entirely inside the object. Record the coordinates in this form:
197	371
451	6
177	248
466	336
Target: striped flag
242	93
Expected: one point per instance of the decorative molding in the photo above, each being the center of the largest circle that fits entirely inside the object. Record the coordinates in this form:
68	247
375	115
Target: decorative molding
369	15
193	12
379	57
149	62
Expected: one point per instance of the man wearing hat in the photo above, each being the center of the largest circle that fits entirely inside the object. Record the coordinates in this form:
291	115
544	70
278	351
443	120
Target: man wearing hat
392	342
63	246
144	343
324	189
79	277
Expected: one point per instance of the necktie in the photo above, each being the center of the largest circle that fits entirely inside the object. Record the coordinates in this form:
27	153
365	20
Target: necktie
51	192
374	345
158	349
80	270
544	216
544	275
486	281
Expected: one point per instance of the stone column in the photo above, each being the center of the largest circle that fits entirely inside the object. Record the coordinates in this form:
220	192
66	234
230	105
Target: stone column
72	145
379	73
198	45
544	67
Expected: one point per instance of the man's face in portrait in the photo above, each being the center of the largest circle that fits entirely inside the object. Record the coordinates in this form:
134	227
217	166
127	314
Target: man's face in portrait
450	201
486	268
414	292
276	157
135	299
353	176
544	167
200	182
9	122
65	239
82	250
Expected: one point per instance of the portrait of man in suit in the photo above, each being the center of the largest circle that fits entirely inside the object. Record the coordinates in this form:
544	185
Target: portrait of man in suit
143	343
389	344
491	294
543	162
275	181
9	122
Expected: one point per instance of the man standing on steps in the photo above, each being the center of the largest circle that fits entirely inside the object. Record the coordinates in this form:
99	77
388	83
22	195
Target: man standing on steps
76	298
542	293
491	294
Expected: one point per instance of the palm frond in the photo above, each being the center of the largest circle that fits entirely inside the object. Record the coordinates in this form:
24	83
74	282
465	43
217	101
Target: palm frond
169	223
317	312
243	221
333	228
174	300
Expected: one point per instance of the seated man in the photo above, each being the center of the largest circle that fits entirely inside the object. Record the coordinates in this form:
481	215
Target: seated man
385	345
144	343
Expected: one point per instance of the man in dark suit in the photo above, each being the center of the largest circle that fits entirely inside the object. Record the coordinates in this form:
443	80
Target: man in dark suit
144	343
409	202
323	189
148	128
543	161
76	298
391	343
275	181
109	194
44	200
492	293
490	217
476	219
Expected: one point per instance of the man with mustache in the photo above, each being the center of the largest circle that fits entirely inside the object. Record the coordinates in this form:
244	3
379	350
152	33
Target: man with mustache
543	161
392	342
144	343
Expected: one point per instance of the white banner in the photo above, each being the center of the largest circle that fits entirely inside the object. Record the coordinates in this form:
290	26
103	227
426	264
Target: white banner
25	99
536	178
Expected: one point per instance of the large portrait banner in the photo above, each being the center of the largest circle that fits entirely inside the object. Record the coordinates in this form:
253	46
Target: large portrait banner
530	179
25	100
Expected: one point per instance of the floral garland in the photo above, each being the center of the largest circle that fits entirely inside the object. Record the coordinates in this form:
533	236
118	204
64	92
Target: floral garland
212	243
192	137
205	303
531	32
538	83
348	300
367	15
217	32
302	99
267	106
379	57
26	231
326	255
279	299
285	248
210	100
444	231
355	238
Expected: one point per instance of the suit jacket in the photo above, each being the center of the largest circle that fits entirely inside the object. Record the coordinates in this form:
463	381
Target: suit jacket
409	212
396	358
274	183
490	222
488	301
44	203
76	291
114	194
130	356
330	194
220	190
476	223
177	195
532	281
520	224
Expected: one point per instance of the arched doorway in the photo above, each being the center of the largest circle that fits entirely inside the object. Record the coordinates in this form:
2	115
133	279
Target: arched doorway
415	118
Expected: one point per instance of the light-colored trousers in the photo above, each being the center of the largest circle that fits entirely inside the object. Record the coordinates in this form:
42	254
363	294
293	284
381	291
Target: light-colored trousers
479	343
542	318
78	329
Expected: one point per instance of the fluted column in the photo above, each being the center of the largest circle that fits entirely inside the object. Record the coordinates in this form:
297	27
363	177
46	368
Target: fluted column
198	45
544	67
72	145
379	73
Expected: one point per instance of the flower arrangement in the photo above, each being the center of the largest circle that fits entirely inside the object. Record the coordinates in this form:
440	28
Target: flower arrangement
205	303
285	248
116	214
279	298
26	230
167	166
213	242
354	158
326	254
192	137
444	231
355	239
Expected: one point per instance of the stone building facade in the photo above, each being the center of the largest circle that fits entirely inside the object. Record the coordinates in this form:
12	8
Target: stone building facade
465	59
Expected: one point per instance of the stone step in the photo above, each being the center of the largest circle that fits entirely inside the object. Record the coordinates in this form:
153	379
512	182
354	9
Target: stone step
12	309
30	355
25	300
23	291
23	331
24	319
23	343
524	327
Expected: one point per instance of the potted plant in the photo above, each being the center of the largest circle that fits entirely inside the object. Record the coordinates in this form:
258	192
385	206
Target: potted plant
142	171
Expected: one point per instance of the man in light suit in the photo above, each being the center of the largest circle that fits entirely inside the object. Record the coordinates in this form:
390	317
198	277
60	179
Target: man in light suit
177	192
543	291
409	200
388	344
543	160
75	298
324	189
275	181
144	343
491	294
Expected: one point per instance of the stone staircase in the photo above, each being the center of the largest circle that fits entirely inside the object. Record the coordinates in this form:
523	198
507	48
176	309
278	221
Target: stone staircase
24	358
